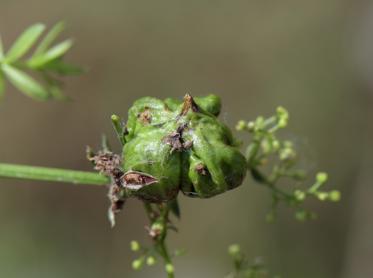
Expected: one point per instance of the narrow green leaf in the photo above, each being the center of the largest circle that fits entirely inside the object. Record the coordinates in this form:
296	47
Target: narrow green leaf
56	93
24	42
61	68
2	85
25	83
1	49
49	38
53	87
55	52
105	145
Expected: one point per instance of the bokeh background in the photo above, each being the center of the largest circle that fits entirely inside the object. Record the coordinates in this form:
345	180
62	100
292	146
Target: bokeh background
313	57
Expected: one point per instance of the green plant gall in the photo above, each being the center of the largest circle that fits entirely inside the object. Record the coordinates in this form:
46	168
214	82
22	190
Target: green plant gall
173	145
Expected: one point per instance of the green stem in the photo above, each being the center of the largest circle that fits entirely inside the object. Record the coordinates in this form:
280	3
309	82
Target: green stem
51	174
160	241
163	251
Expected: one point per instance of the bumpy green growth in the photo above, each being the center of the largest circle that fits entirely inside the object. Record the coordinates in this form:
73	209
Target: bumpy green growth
173	145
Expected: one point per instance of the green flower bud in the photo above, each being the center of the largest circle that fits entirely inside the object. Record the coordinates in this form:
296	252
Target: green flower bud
157	228
287	153
321	177
303	215
234	250
172	146
115	118
135	246
150	261
241	125
251	126
259	123
299	195
282	112
138	264
275	145
266	146
322	196
169	268
282	122
283	117
334	195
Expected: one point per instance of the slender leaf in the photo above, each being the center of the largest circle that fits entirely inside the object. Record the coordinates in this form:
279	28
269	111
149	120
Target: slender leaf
49	38
55	52
54	88
56	93
2	85
105	145
24	42
25	83
1	49
61	68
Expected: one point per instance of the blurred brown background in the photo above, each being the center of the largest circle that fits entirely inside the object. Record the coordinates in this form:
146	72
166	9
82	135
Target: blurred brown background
313	57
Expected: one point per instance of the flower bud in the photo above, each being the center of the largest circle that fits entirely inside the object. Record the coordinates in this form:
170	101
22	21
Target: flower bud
282	122
241	125
169	268
135	246
266	146
282	112
234	250
156	229
251	126
299	195
321	177
150	261
287	153
137	264
275	145
334	195
259	123
322	196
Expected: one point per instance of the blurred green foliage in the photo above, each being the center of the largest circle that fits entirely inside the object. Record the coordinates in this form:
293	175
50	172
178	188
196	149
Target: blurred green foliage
46	62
